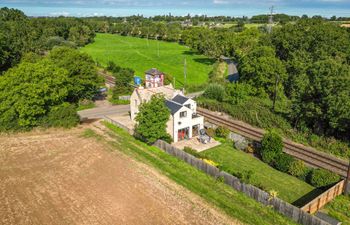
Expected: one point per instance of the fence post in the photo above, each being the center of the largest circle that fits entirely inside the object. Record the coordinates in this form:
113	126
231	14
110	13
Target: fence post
347	181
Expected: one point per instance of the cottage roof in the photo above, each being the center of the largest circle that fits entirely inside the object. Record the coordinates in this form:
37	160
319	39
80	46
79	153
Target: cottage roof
145	94
153	72
180	99
173	106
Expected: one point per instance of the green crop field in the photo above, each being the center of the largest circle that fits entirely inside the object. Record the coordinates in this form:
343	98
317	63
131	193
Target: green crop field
289	188
141	55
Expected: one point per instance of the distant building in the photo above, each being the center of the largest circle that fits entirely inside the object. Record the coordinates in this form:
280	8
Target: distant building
187	23
154	78
184	123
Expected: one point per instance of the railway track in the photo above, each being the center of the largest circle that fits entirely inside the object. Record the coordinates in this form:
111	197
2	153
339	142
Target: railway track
110	80
309	155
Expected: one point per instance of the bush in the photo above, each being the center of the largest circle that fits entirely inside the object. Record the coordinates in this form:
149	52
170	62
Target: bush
245	176
222	132
238	93
211	132
271	147
283	162
249	149
321	178
191	151
298	169
215	91
64	115
212	163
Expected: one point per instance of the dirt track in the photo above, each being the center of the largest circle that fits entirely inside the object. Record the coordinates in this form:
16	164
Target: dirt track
59	177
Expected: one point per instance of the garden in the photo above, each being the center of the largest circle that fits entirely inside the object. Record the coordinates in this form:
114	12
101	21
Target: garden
268	168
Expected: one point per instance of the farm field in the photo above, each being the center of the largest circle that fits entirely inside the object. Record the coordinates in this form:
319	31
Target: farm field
289	188
141	55
67	177
215	192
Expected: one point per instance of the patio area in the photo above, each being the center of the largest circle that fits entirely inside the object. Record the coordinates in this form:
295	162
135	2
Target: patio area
196	144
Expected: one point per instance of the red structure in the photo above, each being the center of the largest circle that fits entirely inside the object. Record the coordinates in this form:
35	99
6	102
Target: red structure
154	78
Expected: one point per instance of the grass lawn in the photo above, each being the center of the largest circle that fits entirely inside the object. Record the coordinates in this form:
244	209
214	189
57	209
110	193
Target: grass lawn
339	208
215	192
135	53
289	188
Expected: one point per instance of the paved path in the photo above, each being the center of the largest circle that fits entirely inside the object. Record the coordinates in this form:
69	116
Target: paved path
233	74
99	112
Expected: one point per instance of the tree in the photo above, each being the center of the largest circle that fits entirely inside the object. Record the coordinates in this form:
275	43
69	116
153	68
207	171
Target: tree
81	35
261	68
83	79
271	147
27	93
324	105
152	120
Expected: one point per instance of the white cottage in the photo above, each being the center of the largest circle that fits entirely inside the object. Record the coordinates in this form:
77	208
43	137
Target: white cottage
184	123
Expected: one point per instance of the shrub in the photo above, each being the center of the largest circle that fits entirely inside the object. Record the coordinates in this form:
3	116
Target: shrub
210	162
64	115
249	149
215	91
245	176
271	147
191	151
222	132
211	132
283	162
238	93
321	178
297	168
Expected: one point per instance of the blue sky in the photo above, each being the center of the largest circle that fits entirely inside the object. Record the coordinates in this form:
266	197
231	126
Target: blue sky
178	7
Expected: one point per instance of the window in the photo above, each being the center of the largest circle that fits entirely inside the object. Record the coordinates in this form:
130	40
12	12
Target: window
183	114
188	106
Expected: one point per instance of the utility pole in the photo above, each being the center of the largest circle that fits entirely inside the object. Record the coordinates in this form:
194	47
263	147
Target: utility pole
157	45
275	94
347	182
185	72
269	26
148	37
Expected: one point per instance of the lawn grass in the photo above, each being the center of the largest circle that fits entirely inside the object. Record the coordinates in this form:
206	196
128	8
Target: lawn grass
339	208
289	188
141	55
90	105
215	192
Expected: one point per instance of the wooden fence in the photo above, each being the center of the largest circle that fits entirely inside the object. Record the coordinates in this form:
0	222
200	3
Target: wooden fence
324	198
261	196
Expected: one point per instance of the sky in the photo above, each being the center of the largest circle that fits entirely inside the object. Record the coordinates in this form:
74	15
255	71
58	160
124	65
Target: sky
236	8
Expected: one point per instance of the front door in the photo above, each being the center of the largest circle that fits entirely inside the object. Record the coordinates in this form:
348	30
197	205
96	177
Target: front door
183	134
195	130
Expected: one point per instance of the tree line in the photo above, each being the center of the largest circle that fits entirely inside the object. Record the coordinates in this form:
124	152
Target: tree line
43	77
306	64
20	34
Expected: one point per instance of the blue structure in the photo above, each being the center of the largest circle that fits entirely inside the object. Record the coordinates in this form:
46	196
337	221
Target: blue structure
137	81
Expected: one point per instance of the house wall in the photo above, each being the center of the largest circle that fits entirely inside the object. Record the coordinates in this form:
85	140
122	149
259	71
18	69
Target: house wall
193	105
188	121
135	102
170	126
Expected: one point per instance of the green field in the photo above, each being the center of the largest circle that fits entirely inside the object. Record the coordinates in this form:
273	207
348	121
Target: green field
289	188
215	192
141	55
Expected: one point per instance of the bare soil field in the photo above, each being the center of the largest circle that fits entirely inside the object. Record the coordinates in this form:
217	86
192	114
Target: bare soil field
60	177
